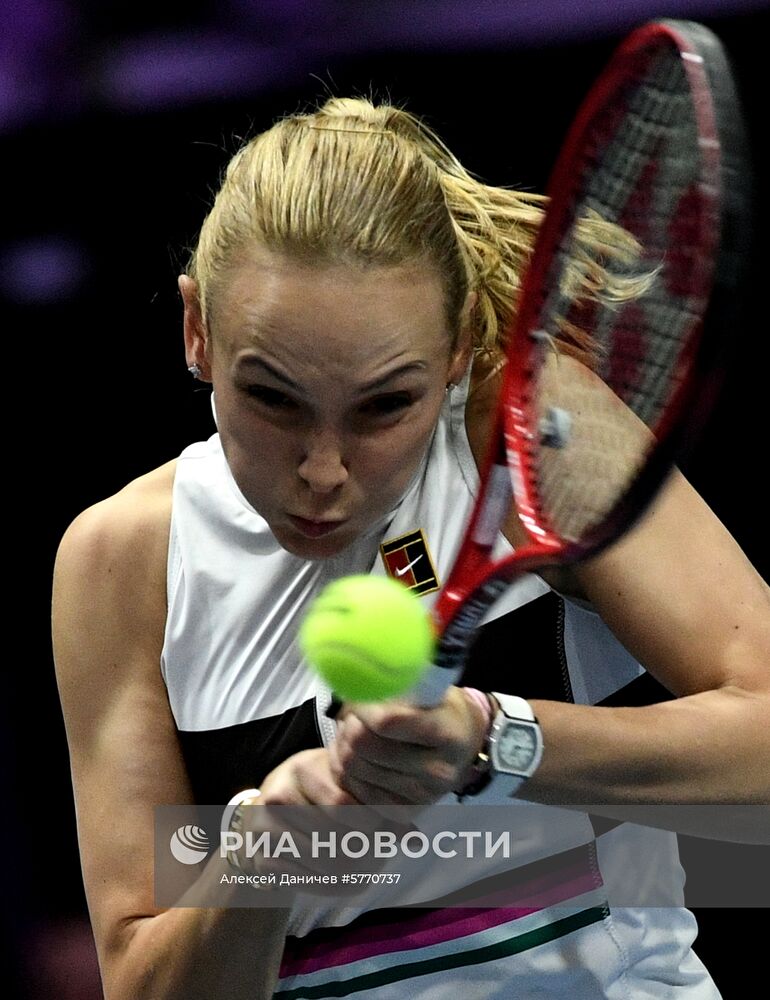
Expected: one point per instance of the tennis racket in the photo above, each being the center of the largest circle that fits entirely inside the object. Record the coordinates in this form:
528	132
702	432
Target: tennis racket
585	435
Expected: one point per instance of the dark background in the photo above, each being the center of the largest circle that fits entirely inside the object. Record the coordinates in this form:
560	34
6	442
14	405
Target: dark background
116	120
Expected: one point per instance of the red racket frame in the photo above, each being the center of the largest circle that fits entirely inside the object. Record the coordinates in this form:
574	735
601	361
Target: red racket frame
474	583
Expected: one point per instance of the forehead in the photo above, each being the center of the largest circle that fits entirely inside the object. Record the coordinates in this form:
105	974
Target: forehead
268	298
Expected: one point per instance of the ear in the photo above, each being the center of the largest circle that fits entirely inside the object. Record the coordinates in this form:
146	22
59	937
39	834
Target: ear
196	338
463	350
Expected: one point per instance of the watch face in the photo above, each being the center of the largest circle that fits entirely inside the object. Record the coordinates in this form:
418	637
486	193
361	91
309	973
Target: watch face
516	747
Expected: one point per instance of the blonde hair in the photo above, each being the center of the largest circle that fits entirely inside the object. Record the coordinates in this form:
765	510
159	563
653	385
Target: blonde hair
360	184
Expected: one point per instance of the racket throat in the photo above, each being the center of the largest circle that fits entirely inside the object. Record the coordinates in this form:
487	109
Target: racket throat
496	505
459	633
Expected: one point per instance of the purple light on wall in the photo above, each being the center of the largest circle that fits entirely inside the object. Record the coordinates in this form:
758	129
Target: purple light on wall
458	24
157	71
293	17
61	56
43	270
36	65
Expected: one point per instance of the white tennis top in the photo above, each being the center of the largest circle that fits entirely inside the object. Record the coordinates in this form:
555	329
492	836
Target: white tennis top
237	682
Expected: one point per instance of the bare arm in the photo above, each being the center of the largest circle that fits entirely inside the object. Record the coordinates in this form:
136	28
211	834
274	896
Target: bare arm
108	622
684	600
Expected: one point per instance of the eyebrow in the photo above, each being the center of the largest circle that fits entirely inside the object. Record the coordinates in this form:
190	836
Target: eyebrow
251	361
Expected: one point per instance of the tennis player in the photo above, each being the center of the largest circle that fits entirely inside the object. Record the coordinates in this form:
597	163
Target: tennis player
346	301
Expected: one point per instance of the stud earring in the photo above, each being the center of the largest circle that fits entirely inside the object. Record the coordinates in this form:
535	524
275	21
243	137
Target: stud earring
195	371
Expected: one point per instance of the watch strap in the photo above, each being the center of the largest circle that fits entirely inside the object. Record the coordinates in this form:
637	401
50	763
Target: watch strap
514	707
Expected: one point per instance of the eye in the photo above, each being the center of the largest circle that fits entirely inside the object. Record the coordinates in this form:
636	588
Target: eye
388	405
273	399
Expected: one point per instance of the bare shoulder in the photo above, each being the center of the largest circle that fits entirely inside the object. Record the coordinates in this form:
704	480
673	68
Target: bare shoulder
137	518
124	537
109	587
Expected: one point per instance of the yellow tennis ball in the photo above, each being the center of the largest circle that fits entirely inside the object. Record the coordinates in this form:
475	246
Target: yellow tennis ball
368	637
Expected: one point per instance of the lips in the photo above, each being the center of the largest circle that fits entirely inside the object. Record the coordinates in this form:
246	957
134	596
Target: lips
314	529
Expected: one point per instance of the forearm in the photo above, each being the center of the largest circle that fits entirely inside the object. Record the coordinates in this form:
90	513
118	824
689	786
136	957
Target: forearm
194	952
708	748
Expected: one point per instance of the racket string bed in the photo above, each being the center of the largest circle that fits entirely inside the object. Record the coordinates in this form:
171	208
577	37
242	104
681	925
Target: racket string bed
638	177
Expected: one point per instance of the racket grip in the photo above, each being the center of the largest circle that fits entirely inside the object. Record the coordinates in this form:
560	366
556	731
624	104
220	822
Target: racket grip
432	686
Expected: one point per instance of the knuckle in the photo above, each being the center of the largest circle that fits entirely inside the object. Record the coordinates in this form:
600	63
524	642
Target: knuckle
339	797
442	773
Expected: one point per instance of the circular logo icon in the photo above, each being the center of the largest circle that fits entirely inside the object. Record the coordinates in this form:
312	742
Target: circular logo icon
189	844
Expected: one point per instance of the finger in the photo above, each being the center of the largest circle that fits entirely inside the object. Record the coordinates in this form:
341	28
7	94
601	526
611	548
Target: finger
377	795
317	781
415	780
356	741
398	721
456	721
304	779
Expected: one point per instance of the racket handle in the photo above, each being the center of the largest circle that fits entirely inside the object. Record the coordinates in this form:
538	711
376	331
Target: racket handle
432	686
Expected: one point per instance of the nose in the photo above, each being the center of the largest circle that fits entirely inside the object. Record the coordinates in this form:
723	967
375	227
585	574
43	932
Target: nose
322	465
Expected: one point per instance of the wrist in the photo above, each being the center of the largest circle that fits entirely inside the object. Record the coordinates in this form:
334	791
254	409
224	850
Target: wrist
477	773
232	822
512	751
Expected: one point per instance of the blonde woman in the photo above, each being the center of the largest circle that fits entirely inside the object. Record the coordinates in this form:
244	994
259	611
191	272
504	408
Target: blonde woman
346	301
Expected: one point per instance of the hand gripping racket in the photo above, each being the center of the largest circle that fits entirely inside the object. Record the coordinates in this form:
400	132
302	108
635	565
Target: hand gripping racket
603	393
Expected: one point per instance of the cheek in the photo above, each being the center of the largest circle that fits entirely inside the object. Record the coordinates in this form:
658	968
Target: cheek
253	442
257	453
391	459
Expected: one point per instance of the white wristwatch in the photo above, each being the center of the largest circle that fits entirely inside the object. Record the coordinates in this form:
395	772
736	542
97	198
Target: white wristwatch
515	742
511	754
